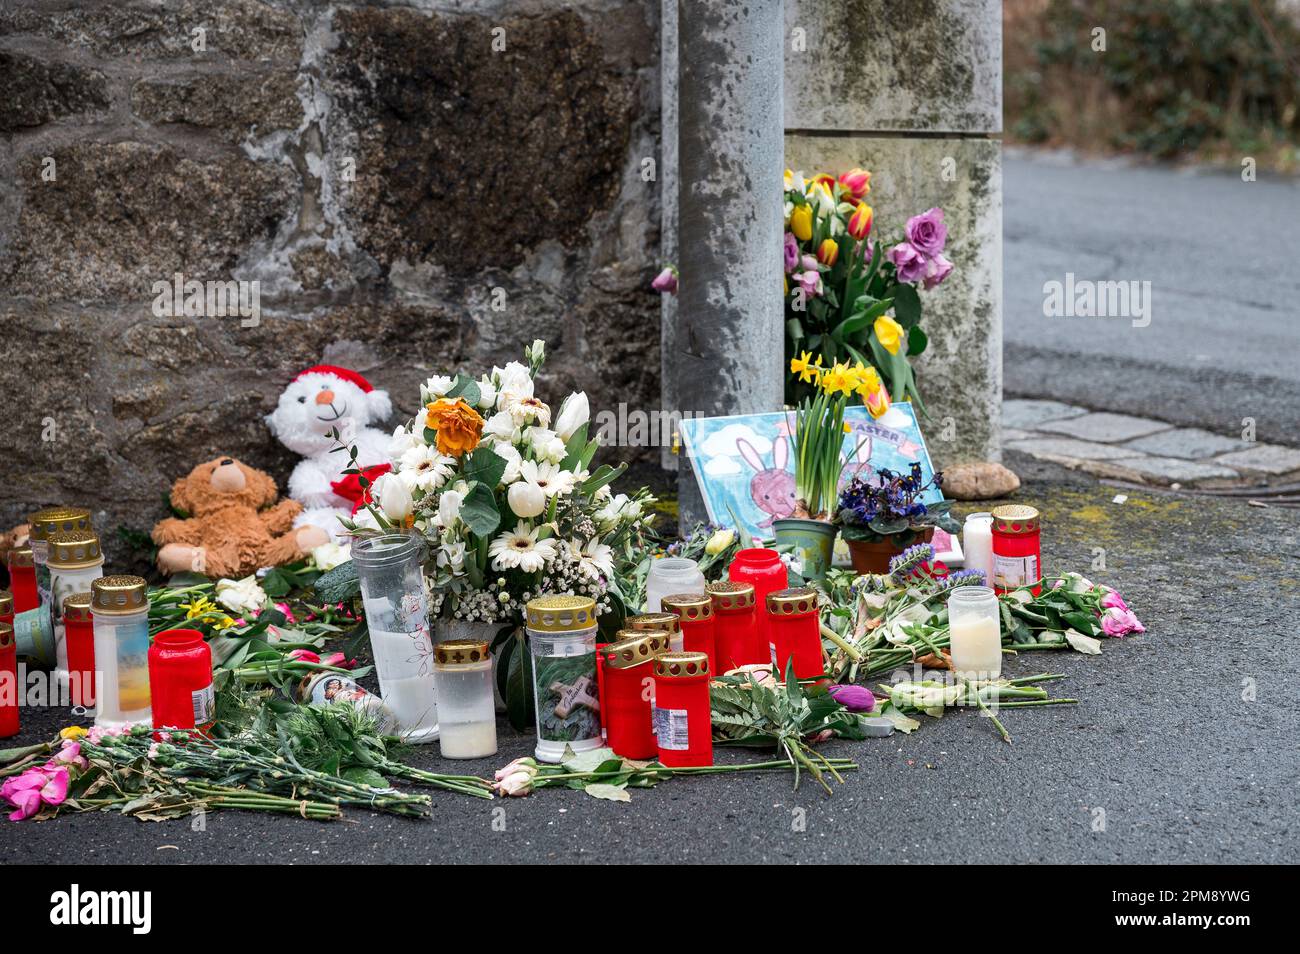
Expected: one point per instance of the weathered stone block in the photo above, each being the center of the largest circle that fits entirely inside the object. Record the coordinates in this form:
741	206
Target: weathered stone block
234	29
466	157
120	216
877	65
236	105
960	374
37	91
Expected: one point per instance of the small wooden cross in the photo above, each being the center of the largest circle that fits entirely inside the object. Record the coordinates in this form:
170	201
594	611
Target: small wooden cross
578	694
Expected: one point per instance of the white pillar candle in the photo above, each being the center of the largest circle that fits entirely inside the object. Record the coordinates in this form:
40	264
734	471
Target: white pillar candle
977	544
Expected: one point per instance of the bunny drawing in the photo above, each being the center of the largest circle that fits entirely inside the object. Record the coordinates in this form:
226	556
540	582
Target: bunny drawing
772	488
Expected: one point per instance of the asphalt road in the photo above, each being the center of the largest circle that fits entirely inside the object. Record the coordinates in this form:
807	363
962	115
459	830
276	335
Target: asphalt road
1163	747
1223	341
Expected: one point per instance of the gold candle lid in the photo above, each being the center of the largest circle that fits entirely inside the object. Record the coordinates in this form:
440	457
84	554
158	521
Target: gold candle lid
682	665
461	652
1015	519
668	621
21	556
118	595
6	635
561	614
6	603
57	520
795	601
729	596
76	608
74	549
637	648
689	606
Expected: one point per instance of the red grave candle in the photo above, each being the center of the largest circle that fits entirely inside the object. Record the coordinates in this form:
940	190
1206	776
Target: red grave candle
1017	555
22	580
6	607
79	638
180	680
682	717
8	682
795	632
695	612
764	569
734	621
629	686
669	623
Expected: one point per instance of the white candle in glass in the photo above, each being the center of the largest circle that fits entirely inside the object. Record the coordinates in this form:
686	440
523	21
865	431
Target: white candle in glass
975	632
977	544
668	576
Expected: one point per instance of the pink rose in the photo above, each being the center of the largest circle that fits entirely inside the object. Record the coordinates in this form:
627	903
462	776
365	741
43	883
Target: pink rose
927	233
1120	622
665	282
1112	598
936	270
909	263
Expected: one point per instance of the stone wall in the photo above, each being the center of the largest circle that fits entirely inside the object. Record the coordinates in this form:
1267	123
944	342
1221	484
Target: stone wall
412	186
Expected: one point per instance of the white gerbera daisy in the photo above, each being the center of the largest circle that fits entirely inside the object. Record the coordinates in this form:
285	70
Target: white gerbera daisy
521	548
528	410
424	468
595	560
549	477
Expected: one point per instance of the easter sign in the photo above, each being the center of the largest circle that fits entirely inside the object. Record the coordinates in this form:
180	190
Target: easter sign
744	465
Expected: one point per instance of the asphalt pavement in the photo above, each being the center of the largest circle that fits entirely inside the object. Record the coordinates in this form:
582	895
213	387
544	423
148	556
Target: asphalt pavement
1223	341
1182	750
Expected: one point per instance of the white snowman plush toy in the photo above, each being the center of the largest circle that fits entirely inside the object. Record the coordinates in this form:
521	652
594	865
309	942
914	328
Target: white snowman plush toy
317	401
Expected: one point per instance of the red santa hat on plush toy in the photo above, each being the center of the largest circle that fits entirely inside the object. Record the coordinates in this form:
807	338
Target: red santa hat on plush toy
377	403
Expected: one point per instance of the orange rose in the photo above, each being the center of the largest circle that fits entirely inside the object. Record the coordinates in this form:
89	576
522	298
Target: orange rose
458	426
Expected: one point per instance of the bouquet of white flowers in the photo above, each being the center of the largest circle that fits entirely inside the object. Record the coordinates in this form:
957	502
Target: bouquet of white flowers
503	493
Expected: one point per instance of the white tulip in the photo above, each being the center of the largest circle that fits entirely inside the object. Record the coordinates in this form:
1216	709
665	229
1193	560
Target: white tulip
448	508
241	596
574	412
394	499
525	499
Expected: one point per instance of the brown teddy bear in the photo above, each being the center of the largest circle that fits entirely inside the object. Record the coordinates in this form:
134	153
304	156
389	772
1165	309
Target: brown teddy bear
228	534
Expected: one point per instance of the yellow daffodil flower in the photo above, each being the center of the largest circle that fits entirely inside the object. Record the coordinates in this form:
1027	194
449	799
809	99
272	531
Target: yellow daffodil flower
868	383
889	333
838	379
805	367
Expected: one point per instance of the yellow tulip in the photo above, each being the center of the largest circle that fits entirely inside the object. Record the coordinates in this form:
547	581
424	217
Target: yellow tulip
860	221
72	732
889	333
828	252
801	222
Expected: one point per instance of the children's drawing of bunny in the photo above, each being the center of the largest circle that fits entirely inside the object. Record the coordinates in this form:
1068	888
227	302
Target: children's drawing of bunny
772	488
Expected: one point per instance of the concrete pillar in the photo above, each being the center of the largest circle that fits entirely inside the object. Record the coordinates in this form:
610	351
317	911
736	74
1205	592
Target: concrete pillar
724	347
913	92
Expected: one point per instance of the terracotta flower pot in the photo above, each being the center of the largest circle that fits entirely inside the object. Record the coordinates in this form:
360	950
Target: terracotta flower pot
874	557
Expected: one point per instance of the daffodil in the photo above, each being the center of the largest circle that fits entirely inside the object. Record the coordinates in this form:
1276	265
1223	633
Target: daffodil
804	366
838	379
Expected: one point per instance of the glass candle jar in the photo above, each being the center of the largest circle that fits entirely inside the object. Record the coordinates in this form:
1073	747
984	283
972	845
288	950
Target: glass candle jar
8	682
977	544
79	637
120	613
975	632
326	688
41	526
33	630
695	611
671	575
1017	559
682	717
562	638
733	624
660	621
74	562
763	569
467	713
629	688
397	614
795	632
180	681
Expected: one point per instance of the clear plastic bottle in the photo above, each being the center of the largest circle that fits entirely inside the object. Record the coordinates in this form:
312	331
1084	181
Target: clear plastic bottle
120	613
397	615
467	718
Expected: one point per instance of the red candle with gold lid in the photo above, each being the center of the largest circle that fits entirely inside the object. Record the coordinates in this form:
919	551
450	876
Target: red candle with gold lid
763	568
629	687
79	638
735	632
1017	552
682	716
658	621
8	682
795	632
695	613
